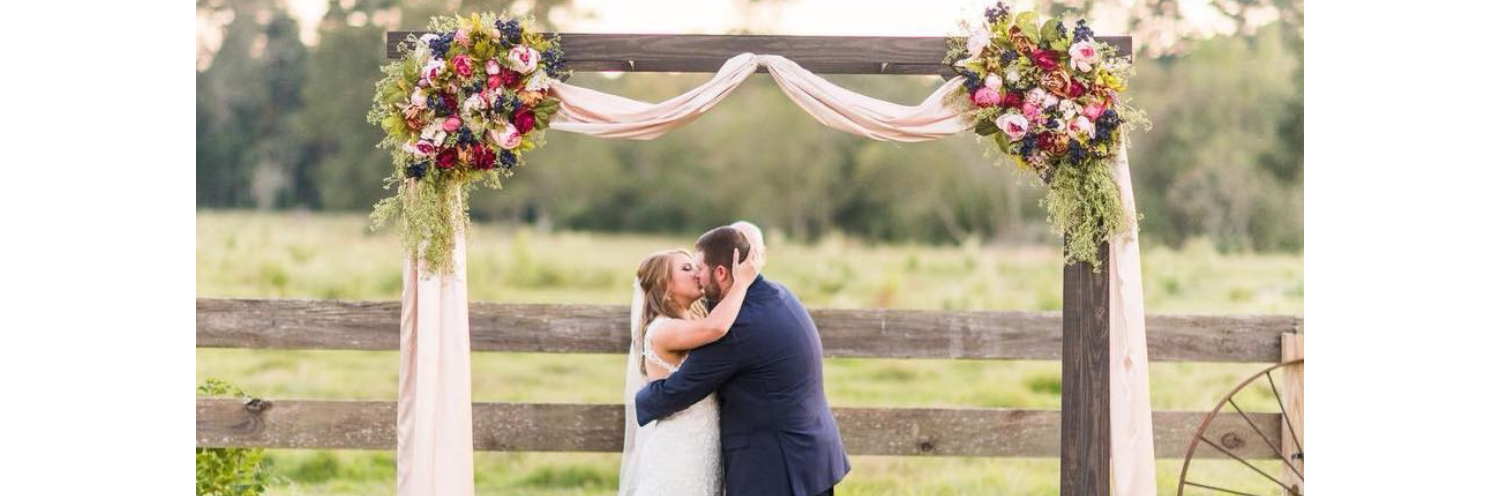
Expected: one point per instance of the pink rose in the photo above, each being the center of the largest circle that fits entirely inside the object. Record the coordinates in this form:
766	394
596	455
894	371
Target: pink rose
1093	111
985	97
433	68
462	37
1031	110
452	124
492	67
507	137
463	65
1013	125
494	82
1083	55
523	59
1081	126
420	149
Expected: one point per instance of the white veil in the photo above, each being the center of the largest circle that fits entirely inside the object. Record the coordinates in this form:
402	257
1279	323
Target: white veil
634	381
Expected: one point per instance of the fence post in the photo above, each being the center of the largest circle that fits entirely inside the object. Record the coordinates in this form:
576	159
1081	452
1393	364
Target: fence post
1085	379
1291	378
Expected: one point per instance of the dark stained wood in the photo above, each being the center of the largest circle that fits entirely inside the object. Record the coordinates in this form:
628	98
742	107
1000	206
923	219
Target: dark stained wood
1085	379
371	425
1006	335
588	52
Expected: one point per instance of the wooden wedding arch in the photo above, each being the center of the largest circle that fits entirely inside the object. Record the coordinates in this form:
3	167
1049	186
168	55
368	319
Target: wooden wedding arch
1079	336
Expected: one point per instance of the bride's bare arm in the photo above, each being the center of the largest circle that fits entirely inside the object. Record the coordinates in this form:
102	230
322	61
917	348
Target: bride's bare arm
680	335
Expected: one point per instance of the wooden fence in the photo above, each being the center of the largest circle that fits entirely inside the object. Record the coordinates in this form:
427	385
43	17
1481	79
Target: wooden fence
895	334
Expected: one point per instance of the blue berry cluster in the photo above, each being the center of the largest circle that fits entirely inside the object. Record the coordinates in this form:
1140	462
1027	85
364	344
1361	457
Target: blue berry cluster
507	159
466	136
417	170
440	44
439	106
1028	144
552	61
477	86
1062	31
1081	32
1076	153
971	80
998	12
1008	56
506	102
1105	125
510	30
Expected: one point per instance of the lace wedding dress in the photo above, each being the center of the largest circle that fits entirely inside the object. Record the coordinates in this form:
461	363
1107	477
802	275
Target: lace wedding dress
674	456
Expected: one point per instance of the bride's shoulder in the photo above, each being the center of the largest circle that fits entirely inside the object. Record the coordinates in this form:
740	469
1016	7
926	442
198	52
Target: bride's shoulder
658	322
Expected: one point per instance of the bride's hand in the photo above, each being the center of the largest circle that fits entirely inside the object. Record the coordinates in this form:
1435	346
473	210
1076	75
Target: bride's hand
746	271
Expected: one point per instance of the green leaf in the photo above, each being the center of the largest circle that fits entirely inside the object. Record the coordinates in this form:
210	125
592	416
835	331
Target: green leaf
1049	32
986	127
1027	22
545	110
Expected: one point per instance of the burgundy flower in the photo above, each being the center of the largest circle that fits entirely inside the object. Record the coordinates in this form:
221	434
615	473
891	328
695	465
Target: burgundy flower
1012	100
1076	89
483	157
524	120
511	79
447	158
1044	59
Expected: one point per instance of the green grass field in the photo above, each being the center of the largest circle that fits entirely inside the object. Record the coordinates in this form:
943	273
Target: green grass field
254	255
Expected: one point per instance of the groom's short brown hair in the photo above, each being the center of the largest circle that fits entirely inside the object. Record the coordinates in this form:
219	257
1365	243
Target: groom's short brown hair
718	247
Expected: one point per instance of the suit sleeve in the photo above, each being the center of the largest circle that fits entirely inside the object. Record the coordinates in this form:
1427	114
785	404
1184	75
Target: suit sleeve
704	370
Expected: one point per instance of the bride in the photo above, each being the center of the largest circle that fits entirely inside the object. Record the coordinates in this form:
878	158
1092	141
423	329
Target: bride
678	455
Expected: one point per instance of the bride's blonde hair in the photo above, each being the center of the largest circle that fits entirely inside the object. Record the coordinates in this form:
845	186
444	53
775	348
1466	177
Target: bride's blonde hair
655	276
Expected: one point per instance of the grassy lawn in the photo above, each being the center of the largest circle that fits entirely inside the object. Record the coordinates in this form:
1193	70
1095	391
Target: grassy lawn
254	255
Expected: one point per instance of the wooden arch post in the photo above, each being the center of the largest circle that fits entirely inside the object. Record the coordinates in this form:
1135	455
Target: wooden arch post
1084	447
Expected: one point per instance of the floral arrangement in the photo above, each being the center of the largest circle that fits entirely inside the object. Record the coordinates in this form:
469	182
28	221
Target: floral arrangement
1051	100
460	108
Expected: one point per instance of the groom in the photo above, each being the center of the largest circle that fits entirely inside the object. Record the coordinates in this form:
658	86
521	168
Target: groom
776	430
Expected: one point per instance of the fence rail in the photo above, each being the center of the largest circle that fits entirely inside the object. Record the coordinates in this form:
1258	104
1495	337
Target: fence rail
371	425
998	335
374	325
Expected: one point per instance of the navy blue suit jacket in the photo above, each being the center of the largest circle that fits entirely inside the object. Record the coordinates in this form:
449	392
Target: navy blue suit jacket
776	429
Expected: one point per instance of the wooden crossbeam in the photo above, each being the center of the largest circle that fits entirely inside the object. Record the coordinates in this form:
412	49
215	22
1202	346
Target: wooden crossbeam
590	52
371	425
1002	335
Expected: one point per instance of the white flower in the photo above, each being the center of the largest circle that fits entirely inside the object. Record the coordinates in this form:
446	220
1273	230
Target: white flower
419	98
1068	109
1013	75
1083	55
475	102
539	82
434	131
1082	126
1049	100
1013	125
1036	96
992	81
523	59
978	40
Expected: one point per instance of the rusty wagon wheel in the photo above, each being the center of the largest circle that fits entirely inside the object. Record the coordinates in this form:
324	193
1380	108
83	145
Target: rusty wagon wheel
1286	456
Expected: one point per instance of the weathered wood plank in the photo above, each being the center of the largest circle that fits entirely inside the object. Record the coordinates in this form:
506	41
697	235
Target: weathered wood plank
588	52
371	425
1002	335
1085	378
1291	392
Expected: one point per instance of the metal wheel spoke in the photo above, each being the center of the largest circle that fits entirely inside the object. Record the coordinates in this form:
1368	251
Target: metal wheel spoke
1263	437
1252	467
1284	418
1220	489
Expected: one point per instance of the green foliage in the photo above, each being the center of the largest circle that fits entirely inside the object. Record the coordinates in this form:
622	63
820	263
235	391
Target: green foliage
1083	204
230	471
1224	162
